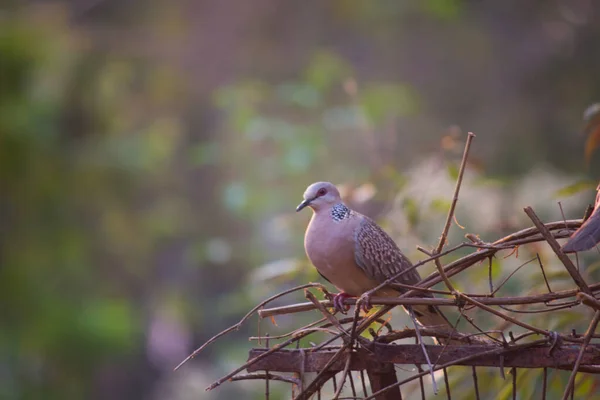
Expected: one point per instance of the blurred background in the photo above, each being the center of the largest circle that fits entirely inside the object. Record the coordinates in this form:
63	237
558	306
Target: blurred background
152	154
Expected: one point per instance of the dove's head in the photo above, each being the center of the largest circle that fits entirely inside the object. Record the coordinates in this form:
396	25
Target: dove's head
320	195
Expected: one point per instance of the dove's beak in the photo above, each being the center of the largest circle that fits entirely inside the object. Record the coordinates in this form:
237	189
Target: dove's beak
302	205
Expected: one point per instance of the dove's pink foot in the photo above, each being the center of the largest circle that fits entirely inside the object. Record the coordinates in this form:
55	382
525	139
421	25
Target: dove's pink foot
338	302
366	303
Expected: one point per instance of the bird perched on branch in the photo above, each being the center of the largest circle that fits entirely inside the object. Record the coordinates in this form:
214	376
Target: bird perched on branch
353	253
588	235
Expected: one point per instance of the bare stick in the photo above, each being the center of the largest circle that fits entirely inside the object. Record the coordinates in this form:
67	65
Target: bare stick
345	373
407	270
428	332
511	274
543	272
326	313
444	236
318	382
497	351
534	357
588	337
244	319
475	383
420	342
407	301
267	336
524	236
571	269
504	316
267	376
311	297
570	224
589	301
267	380
448	397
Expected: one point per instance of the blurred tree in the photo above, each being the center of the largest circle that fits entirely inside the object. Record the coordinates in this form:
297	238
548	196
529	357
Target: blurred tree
75	156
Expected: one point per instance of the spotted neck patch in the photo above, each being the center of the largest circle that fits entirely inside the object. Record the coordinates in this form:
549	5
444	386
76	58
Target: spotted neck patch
339	212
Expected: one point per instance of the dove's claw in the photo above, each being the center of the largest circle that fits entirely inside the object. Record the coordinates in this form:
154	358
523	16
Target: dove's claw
338	302
365	303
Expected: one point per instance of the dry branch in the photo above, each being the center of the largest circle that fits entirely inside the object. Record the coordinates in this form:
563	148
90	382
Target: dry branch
559	253
533	357
556	229
491	301
244	319
582	353
377	357
444	237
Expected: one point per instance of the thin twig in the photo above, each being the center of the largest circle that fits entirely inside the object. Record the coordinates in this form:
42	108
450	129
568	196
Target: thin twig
427	332
504	316
267	336
401	300
588	337
511	274
318	381
528	235
490	280
267	380
345	373
419	341
589	301
444	237
245	318
266	376
273	349
543	272
421	384
545	310
571	269
513	371
545	383
395	277
475	383
448	394
352	387
311	297
496	351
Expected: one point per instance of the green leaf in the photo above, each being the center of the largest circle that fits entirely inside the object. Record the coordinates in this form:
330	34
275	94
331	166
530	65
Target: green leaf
204	154
109	322
575	188
443	9
299	94
381	101
452	170
411	209
440	205
327	69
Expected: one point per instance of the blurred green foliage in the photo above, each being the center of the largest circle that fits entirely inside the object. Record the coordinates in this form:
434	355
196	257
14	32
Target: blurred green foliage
74	157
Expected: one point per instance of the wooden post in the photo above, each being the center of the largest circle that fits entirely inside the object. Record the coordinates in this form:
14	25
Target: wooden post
381	378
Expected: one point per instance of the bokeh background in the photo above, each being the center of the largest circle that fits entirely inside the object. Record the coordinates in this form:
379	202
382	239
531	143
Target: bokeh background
152	154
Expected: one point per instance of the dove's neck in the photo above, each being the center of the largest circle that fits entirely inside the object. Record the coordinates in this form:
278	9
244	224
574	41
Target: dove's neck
338	212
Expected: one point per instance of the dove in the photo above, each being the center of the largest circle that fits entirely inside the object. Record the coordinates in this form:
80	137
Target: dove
355	254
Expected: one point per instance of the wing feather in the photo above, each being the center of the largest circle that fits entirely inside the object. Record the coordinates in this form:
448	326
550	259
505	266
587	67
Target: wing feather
587	236
377	254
